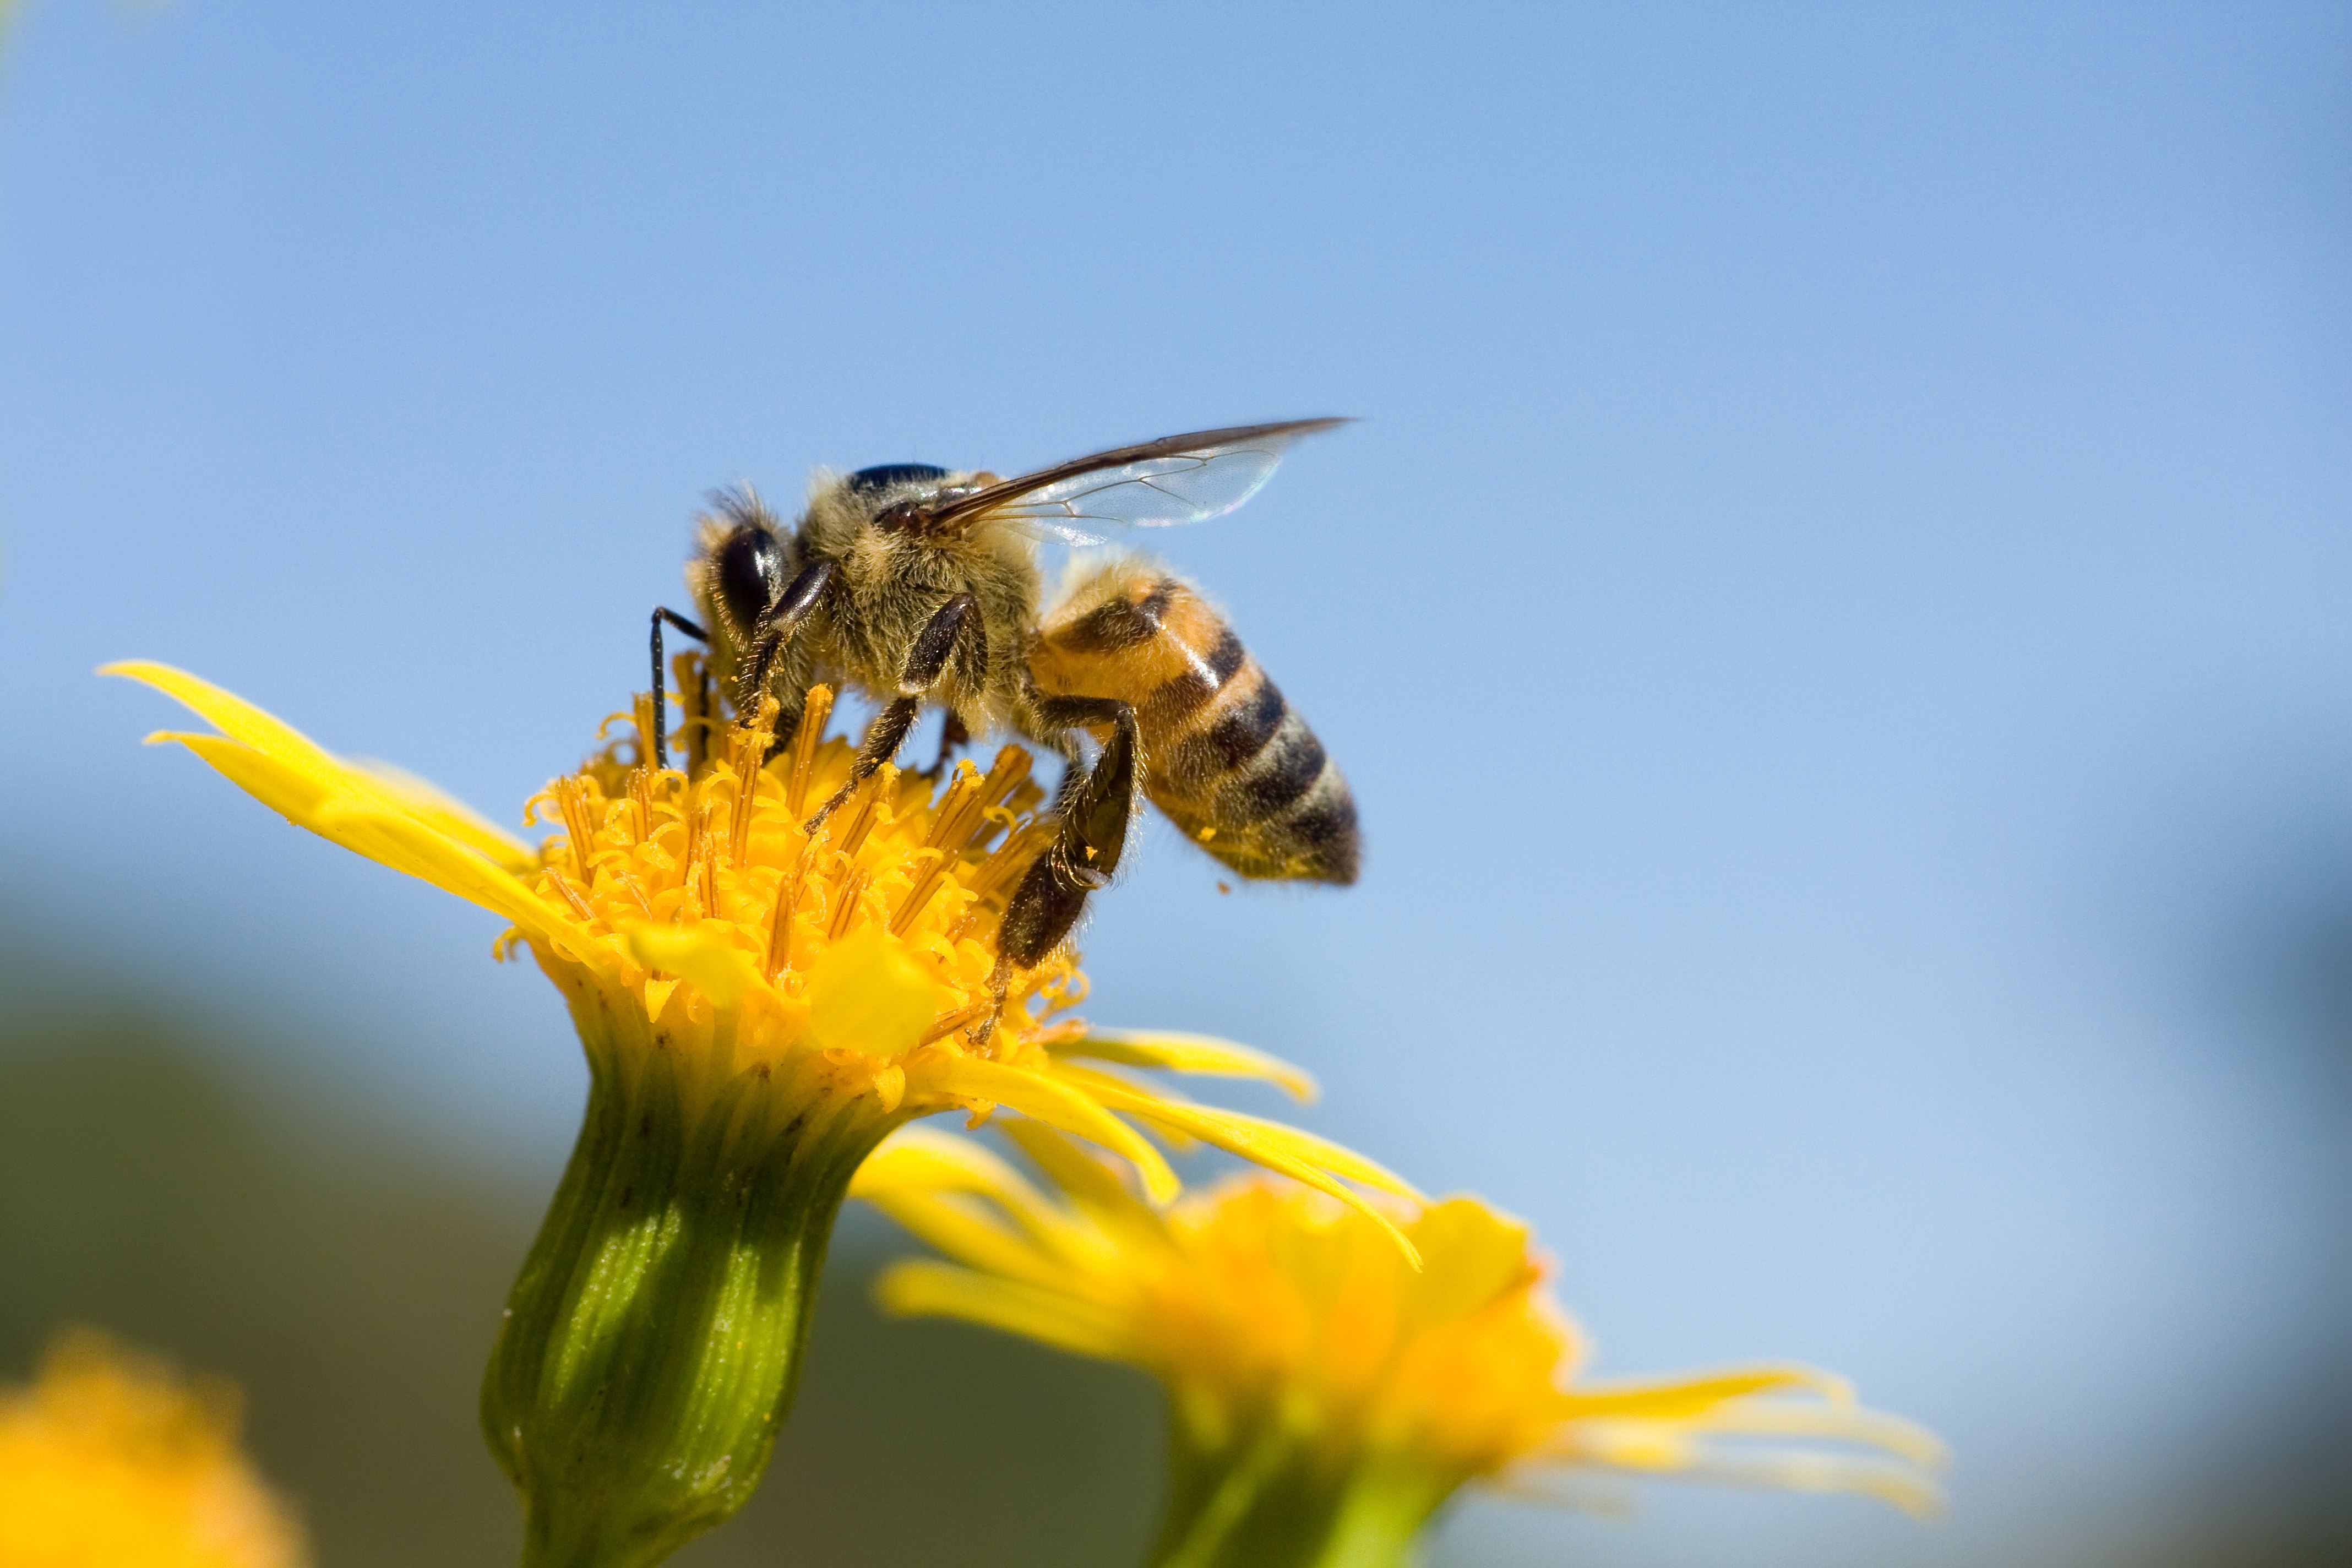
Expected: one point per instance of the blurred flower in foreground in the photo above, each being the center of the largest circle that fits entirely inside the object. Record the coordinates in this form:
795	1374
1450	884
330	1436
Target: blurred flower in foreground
108	1461
757	1011
1325	1398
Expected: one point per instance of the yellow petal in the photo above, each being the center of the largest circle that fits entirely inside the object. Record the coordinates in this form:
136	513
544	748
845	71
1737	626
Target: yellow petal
1053	1103
427	802
1664	1449
865	994
960	1227
940	1290
711	965
296	793
385	834
1189	1053
1236	1133
403	825
1301	1156
1790	1418
235	718
1072	1169
1485	1254
916	1159
917	1163
1681	1398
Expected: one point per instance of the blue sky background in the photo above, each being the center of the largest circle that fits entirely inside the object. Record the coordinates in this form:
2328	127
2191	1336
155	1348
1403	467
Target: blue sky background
1835	612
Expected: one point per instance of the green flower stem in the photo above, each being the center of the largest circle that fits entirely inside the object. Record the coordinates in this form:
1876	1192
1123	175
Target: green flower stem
1266	1496
652	1342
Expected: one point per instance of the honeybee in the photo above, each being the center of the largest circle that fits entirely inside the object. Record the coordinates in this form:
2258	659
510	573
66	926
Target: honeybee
921	585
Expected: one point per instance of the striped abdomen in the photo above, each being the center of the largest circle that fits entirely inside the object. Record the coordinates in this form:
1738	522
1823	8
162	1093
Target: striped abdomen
1230	762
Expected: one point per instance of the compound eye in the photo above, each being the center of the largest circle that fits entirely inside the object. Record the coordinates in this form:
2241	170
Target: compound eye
751	574
890	476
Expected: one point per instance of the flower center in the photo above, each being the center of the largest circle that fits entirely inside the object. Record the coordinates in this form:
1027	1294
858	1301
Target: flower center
912	863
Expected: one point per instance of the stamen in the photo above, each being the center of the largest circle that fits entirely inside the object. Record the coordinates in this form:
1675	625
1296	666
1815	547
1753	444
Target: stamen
572	896
929	883
643	713
629	885
966	810
698	831
641	798
747	750
690	676
1006	774
844	913
883	781
961	799
780	924
818	708
949	1023
572	802
995	879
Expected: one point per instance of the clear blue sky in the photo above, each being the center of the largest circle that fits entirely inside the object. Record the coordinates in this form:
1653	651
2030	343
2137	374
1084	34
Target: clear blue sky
1835	613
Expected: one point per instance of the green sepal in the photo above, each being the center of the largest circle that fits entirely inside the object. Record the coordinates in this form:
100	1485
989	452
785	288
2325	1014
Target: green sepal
1266	1494
652	1342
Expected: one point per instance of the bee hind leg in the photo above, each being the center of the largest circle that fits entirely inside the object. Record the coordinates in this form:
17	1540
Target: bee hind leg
924	665
1095	808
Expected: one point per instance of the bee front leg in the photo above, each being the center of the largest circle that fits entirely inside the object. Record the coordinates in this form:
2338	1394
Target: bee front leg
925	664
661	690
774	630
1095	809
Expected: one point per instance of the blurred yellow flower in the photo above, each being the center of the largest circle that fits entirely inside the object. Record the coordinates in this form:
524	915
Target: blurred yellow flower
108	1461
1326	1398
758	1007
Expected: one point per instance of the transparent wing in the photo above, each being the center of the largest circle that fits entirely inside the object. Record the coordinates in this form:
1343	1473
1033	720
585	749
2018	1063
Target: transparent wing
1155	492
1175	479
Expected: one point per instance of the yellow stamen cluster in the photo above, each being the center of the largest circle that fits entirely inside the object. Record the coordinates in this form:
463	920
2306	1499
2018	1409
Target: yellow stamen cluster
709	884
108	1459
1262	1306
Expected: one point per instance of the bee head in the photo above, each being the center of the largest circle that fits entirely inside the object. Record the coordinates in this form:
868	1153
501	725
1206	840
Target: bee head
745	559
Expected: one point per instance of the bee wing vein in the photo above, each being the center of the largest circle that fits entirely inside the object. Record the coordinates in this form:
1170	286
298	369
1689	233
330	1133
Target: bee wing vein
1176	480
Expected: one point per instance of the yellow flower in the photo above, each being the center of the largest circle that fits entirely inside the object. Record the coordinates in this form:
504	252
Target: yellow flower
759	1010
108	1461
1325	1397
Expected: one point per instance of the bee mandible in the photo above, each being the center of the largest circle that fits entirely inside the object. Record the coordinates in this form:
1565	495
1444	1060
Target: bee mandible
920	586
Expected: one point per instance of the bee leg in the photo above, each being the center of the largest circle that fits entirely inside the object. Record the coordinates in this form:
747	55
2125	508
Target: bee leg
924	665
661	691
774	630
1095	808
